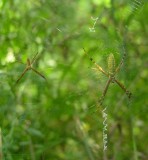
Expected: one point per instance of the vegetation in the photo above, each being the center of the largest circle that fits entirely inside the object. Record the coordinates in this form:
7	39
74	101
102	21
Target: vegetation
59	117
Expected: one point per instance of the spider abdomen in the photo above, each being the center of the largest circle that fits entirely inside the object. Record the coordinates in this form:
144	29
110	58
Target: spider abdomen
111	64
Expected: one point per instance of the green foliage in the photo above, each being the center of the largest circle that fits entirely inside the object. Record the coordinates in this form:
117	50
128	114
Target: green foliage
56	118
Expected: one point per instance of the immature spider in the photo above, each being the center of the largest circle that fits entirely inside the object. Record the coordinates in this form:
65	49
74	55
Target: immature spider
29	67
112	71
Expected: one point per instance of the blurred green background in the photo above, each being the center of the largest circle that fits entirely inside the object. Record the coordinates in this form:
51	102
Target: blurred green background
58	118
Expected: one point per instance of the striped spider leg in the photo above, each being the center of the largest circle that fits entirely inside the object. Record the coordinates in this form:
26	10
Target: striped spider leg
29	67
112	70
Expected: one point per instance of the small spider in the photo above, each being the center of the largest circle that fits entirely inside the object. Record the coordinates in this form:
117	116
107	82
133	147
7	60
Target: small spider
112	71
29	67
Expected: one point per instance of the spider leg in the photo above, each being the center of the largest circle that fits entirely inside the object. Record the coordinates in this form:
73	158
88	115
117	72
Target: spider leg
26	69
38	73
33	60
105	90
128	93
28	62
97	66
121	63
18	59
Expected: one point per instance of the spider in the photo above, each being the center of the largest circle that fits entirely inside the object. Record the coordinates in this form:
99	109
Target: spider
112	71
29	67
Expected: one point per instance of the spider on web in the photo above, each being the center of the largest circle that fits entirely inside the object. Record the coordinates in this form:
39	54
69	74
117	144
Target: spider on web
29	65
111	73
